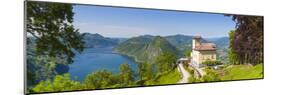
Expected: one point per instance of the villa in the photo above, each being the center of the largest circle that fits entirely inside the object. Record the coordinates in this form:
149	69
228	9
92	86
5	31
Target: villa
202	52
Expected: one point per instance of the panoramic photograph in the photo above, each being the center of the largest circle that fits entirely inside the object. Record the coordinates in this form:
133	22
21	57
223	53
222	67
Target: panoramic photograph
73	47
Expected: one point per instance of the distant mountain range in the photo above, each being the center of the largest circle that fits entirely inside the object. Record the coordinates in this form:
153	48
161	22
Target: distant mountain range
98	41
181	42
221	42
147	47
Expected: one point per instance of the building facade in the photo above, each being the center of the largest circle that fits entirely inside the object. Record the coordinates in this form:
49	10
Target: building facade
202	52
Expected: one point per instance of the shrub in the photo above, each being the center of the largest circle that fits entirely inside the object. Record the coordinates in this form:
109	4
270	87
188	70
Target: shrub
211	75
212	63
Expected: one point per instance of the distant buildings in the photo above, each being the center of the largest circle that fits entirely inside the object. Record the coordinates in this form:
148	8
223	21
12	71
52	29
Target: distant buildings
202	52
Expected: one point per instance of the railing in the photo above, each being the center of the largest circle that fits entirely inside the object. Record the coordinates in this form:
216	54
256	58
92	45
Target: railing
196	70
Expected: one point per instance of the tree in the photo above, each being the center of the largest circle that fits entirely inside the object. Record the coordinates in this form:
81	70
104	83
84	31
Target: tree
40	68
99	79
248	39
165	62
51	25
60	83
145	71
96	80
126	74
212	63
187	53
232	56
211	75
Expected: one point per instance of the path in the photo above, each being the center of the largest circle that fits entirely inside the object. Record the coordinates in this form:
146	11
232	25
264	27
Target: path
184	73
199	71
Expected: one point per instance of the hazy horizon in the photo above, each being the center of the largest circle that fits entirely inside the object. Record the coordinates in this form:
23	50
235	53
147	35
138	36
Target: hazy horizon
156	35
117	22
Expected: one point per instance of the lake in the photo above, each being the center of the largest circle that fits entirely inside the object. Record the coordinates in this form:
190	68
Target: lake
93	59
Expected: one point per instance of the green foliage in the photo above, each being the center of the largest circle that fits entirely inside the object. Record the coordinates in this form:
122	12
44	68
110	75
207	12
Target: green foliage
51	39
212	63
211	75
40	68
237	72
96	80
170	77
126	74
231	72
192	79
145	71
105	79
248	39
60	83
232	56
51	25
101	79
165	62
187	53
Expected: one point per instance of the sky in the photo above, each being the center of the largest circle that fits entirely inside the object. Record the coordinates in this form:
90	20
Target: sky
128	22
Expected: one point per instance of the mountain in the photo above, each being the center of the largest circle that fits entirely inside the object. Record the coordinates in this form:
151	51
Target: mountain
98	41
221	42
158	46
181	42
145	48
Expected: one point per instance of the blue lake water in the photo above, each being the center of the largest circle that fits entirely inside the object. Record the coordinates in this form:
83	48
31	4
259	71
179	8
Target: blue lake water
92	60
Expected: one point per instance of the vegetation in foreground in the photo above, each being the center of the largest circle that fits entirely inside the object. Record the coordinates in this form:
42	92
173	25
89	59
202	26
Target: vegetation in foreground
166	73
96	80
170	78
57	41
238	72
231	72
245	53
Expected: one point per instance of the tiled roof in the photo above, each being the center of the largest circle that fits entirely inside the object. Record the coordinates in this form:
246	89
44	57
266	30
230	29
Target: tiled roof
206	46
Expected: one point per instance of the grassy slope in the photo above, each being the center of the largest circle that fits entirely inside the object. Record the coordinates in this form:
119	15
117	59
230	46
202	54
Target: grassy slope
169	78
232	72
237	72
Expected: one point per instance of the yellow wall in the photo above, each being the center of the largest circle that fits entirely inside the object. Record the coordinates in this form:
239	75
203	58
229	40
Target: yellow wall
200	56
207	55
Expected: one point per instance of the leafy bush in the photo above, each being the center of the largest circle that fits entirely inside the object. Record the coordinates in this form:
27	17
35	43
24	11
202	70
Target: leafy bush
192	79
212	63
145	71
99	79
60	83
96	80
211	75
165	62
126	74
